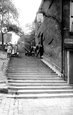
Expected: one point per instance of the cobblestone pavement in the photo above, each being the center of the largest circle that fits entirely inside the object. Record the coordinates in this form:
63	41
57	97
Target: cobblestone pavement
50	106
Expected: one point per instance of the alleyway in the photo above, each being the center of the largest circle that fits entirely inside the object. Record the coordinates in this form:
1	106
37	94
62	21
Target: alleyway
29	77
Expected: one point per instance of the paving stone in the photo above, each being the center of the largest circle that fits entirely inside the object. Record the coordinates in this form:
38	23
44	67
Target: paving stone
52	106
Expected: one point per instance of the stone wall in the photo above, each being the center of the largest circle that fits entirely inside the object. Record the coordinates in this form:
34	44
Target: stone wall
51	30
3	66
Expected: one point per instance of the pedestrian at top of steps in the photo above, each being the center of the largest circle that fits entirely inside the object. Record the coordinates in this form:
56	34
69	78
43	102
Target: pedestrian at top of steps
38	50
9	50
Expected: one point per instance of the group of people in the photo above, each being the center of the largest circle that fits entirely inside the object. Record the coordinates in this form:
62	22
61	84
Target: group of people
36	51
12	49
39	50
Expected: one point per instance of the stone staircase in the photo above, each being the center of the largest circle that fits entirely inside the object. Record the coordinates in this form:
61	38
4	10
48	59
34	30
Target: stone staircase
29	77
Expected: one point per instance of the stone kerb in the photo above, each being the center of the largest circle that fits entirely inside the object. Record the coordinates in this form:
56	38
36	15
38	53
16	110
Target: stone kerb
3	67
52	65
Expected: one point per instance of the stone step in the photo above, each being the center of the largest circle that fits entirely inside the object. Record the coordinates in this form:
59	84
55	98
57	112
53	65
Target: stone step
27	77
37	84
40	87
26	66
31	72
21	67
29	66
45	95
32	75
35	80
30	78
42	91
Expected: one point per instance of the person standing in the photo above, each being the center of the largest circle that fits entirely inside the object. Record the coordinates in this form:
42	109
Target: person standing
38	50
9	50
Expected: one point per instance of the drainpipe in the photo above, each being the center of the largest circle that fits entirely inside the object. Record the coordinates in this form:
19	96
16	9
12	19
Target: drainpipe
62	41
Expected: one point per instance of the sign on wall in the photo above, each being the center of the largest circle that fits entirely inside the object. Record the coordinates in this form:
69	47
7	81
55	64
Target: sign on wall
68	41
4	29
40	17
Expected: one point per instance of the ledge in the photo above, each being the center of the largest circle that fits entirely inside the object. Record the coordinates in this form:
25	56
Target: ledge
3	67
52	65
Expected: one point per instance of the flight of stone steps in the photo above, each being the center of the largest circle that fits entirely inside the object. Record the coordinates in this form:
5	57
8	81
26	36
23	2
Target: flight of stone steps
28	77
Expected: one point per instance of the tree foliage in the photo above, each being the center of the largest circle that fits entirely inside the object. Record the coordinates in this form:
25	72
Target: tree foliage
8	6
15	28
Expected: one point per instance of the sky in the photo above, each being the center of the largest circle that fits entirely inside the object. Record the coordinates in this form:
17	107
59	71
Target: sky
27	11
